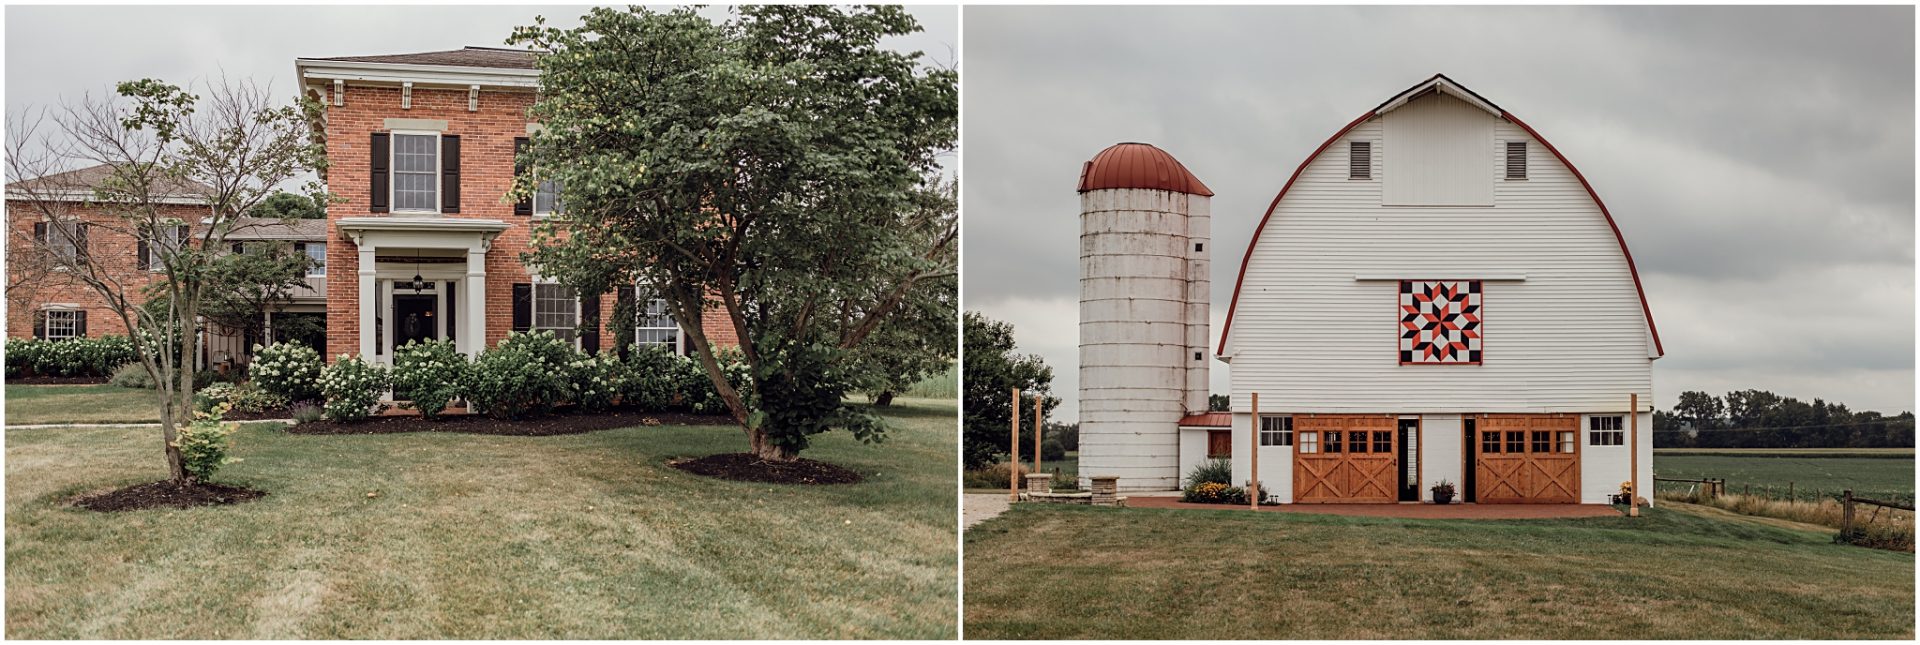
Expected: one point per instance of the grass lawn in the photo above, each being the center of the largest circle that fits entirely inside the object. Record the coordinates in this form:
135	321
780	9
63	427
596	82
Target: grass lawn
35	404
1810	473
1061	572
437	535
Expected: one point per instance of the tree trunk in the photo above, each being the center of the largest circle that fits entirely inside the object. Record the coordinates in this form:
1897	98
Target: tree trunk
764	448
885	399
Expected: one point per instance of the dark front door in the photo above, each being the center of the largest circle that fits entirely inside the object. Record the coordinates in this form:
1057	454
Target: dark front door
413	318
1409	460
1472	439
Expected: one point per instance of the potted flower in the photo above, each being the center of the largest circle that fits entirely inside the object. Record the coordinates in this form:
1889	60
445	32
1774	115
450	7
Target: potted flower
1443	492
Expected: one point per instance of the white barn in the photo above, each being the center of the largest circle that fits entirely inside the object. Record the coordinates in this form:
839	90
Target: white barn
1436	294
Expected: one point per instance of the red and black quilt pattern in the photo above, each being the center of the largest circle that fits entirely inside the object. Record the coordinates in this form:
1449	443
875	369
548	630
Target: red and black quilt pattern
1440	322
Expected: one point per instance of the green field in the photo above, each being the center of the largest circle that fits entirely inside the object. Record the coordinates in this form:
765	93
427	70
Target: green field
1810	473
36	404
432	535
1679	572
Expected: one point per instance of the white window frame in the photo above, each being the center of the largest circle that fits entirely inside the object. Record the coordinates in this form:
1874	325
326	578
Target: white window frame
534	324
155	245
1278	436
1596	429
553	210
640	303
71	254
393	172
73	323
322	265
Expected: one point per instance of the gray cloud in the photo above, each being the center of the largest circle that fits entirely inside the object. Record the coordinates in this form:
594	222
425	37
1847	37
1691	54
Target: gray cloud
1760	161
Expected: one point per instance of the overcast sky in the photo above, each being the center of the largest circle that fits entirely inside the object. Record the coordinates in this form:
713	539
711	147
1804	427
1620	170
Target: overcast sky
1760	161
65	52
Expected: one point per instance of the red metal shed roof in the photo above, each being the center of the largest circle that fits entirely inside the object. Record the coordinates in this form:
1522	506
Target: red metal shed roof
1139	165
1208	420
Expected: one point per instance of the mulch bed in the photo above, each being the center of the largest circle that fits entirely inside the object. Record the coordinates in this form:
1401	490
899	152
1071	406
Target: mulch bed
167	494
741	466
542	426
56	380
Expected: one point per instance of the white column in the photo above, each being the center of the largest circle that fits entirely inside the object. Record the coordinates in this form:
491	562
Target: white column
368	304
475	301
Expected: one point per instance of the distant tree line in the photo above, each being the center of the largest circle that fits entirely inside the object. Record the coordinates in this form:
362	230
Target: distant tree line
1762	419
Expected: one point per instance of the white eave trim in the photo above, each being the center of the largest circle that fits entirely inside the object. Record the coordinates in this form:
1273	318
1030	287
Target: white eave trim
459	76
1444	85
1488	277
421	224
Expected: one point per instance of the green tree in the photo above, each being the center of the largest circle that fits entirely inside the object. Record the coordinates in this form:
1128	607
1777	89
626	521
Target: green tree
766	169
992	369
243	287
288	206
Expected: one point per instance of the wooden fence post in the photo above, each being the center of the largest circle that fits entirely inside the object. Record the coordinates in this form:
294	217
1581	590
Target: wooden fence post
1253	458
1846	511
1790	496
1036	433
1633	448
1013	464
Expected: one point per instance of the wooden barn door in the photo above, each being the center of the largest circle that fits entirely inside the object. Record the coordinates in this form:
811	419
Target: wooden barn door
1345	458
1527	459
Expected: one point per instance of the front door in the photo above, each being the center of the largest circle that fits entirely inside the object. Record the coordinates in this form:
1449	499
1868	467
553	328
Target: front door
413	318
1345	458
1409	460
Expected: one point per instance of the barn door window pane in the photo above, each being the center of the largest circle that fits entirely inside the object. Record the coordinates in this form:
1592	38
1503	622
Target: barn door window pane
1276	431
1566	442
416	172
1333	440
1490	442
1309	442
1542	442
1516	441
1357	441
556	309
1383	442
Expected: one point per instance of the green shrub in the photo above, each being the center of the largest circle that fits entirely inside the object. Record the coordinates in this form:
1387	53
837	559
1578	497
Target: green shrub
204	446
524	374
652	378
1214	493
71	357
993	477
1211	471
305	412
601	378
23	356
207	398
429	375
290	370
695	391
1051	450
352	388
133	376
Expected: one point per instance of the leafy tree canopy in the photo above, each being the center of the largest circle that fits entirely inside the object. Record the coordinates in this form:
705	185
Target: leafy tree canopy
992	369
284	205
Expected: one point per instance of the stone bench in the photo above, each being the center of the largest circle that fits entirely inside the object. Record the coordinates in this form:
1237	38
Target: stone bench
1039	488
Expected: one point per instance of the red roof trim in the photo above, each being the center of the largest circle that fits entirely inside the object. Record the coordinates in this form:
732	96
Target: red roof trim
1207	420
1658	350
1238	282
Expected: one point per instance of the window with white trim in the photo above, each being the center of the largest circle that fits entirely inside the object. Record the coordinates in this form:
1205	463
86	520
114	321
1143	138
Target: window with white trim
63	237
556	308
416	172
62	324
317	252
654	323
1276	431
546	198
168	243
1606	431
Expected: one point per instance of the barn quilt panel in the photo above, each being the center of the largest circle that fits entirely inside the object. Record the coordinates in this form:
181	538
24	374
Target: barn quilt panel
1440	322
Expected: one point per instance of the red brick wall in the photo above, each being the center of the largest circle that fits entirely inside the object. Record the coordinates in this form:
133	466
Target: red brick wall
31	285
486	173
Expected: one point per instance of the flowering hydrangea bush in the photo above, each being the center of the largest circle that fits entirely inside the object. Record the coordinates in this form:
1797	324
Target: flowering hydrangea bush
429	375
240	398
600	379
528	373
352	388
288	370
69	357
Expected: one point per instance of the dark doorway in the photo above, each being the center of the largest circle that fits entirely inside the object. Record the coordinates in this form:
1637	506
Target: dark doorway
1470	435
1409	460
413	318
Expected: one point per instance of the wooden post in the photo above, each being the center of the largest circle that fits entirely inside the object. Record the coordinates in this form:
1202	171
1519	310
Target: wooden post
1036	433
1253	459
1846	511
1633	447
1790	496
1013	462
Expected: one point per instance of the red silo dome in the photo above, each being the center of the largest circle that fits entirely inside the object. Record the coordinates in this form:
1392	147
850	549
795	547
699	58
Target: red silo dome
1139	165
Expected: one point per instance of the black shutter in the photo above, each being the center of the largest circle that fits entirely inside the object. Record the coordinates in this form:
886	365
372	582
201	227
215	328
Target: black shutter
80	240
40	325
449	173
40	233
80	324
622	302
522	306
377	189
525	206
590	322
143	255
453	310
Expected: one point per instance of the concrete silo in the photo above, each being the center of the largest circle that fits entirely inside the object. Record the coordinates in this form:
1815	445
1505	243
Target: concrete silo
1144	244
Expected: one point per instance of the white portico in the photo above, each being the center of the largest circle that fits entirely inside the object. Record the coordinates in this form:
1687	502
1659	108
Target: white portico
421	278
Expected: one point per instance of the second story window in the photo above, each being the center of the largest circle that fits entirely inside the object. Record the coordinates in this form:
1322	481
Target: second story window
546	200
317	254
65	239
416	176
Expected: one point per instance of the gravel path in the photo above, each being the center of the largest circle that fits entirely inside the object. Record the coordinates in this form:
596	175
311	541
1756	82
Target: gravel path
980	507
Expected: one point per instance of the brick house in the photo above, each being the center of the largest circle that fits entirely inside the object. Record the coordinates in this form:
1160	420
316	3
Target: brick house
422	241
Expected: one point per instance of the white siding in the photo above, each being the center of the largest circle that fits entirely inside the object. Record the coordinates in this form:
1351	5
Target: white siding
1193	450
1309	337
1276	462
1440	444
1434	148
1603	468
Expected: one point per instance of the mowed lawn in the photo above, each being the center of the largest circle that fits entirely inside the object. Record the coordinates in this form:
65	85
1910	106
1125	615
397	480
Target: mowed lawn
437	535
38	404
1889	474
1069	572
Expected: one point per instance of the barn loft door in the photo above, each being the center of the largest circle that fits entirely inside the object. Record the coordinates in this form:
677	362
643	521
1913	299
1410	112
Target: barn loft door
1527	459
1345	458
